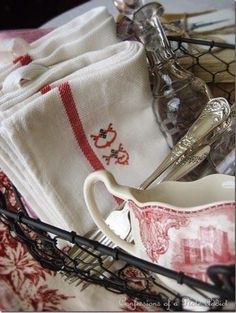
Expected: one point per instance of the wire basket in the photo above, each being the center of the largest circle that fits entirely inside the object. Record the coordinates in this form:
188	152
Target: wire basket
213	62
129	275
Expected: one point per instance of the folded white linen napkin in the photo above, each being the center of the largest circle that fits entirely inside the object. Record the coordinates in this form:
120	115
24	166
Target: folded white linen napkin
91	31
97	116
28	80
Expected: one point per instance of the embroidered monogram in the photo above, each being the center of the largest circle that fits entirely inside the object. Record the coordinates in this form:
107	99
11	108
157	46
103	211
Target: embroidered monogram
105	137
120	156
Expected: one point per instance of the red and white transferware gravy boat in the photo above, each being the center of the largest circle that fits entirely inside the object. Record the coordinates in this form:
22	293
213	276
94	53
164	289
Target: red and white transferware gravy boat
184	226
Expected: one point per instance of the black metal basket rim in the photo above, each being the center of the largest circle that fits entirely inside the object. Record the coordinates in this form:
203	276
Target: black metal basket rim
210	43
116	253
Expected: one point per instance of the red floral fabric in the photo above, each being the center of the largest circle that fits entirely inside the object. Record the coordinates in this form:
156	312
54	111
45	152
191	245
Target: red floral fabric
23	282
26	286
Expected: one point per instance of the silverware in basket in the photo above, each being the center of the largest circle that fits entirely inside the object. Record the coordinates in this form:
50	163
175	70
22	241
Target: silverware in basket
187	154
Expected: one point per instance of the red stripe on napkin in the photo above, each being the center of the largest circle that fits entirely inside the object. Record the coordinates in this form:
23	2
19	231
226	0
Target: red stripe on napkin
45	89
23	59
75	122
77	127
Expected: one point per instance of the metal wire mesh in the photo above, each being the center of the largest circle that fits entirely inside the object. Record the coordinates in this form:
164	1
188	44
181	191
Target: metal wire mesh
214	62
211	61
139	279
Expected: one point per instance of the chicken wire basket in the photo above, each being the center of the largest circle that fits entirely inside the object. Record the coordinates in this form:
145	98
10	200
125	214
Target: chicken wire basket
211	61
139	279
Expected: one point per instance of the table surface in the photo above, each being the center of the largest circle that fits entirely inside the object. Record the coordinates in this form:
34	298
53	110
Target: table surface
169	5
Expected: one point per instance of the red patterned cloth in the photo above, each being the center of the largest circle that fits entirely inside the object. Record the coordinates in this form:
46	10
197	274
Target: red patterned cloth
26	286
23	282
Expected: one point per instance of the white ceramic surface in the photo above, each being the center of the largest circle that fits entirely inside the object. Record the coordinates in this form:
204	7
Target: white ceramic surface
185	226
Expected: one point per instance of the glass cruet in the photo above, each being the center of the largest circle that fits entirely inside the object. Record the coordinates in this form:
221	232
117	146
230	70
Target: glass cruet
179	96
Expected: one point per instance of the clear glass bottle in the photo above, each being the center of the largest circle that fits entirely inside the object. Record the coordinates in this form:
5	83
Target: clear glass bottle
179	96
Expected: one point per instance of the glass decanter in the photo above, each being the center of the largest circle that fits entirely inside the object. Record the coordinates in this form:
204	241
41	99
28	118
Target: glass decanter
179	96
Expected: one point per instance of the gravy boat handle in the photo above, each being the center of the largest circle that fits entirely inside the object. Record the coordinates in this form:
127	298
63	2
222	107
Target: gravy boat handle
115	189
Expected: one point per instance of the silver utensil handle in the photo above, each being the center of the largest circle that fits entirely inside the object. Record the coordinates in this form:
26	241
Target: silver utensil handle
188	164
214	113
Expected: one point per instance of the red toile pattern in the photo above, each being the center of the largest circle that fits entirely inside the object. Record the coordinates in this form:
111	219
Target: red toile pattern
211	246
26	286
23	281
154	228
191	255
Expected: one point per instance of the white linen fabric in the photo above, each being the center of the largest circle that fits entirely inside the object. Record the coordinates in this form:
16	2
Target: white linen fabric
86	113
91	31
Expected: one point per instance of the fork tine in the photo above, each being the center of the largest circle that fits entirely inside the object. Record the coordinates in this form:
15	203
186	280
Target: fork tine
92	261
98	236
97	271
87	258
122	212
77	252
91	268
106	263
83	255
105	260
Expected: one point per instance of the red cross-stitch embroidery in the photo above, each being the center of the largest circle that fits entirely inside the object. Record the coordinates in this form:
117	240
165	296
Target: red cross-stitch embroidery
120	156
105	137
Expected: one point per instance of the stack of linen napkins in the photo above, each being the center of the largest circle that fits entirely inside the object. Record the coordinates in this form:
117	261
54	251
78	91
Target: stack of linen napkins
77	101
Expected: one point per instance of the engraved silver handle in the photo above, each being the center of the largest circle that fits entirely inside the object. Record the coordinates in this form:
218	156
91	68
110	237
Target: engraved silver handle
188	164
214	113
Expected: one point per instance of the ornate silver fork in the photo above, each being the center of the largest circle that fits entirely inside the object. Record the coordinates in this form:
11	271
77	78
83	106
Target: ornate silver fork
214	114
